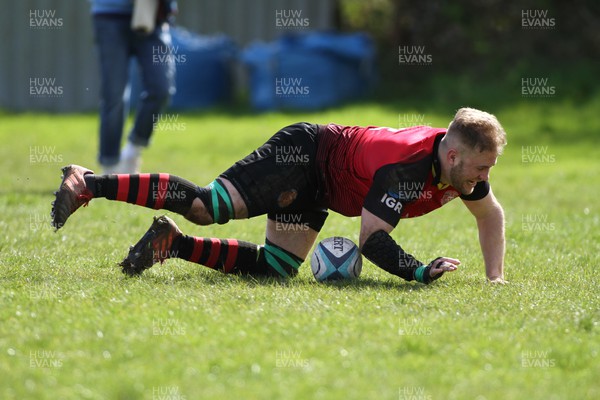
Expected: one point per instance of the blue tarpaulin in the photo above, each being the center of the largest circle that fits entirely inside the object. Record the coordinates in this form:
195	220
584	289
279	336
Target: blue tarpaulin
203	70
205	78
309	71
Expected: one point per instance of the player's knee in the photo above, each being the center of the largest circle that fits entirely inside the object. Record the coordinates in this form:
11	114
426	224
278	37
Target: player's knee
216	202
198	213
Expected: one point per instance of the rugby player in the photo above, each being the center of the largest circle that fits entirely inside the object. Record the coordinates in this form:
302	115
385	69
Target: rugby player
380	174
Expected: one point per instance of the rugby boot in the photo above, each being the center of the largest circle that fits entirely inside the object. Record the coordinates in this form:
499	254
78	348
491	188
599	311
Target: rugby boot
71	194
153	247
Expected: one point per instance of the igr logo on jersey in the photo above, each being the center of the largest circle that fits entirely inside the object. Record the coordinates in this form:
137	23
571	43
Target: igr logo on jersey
392	202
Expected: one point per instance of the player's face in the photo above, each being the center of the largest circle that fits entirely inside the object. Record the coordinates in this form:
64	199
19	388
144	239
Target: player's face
471	168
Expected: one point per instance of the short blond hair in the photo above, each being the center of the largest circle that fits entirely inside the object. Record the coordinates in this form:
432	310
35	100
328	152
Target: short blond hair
477	130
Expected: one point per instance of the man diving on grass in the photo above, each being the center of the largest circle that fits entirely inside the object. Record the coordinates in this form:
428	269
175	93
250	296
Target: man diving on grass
381	174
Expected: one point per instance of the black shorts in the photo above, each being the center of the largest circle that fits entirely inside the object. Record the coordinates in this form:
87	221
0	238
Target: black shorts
280	178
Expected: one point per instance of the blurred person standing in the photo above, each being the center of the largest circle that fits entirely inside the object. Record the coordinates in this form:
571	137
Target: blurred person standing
124	29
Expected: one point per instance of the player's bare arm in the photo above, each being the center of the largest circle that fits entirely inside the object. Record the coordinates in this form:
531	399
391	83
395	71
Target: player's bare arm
379	247
490	222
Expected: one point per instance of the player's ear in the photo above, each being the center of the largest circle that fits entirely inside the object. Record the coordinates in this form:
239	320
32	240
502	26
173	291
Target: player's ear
452	157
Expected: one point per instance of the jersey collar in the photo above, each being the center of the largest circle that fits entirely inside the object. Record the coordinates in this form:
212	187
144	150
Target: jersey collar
436	168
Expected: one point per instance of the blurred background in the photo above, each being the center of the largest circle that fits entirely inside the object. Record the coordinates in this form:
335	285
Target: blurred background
235	53
246	68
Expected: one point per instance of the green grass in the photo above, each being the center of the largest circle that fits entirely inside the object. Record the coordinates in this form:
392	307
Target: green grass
74	327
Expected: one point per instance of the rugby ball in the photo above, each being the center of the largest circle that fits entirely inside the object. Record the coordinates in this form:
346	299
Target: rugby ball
336	258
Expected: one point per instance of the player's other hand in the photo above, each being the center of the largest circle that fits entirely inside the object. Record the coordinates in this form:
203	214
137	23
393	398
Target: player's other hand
443	264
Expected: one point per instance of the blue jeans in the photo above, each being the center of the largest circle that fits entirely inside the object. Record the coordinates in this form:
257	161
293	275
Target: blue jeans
116	44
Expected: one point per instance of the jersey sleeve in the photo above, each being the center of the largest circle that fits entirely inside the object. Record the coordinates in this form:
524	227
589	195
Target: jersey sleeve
480	190
393	186
375	203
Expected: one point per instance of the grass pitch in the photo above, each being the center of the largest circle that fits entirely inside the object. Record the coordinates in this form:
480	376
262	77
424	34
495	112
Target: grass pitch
74	327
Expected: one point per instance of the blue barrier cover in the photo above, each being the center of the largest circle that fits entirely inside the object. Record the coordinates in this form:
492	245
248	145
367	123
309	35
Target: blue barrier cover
204	70
310	70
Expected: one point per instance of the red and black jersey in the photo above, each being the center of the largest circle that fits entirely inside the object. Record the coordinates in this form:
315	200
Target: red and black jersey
392	173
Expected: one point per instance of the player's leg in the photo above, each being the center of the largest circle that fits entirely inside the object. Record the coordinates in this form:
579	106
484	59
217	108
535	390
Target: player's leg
165	240
289	235
218	202
289	238
285	188
260	183
256	185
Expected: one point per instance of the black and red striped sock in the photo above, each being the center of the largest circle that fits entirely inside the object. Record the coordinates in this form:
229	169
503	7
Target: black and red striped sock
225	255
237	256
157	191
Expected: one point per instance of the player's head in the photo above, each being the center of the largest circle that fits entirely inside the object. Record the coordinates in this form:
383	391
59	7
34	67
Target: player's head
476	130
472	143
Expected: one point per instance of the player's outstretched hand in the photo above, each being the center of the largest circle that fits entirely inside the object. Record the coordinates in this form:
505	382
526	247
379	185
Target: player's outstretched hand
441	265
